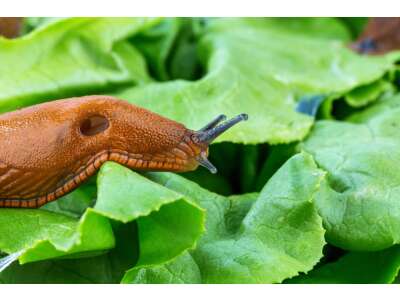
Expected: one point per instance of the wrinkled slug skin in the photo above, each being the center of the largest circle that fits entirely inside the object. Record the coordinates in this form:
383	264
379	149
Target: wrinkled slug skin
44	154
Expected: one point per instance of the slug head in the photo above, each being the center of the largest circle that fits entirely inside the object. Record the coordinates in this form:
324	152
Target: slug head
205	136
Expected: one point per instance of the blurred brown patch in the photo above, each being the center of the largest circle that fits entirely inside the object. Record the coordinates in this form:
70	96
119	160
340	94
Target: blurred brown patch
10	27
380	36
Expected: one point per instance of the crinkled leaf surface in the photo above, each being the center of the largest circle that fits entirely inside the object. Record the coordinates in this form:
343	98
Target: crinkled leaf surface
275	237
83	270
104	268
168	223
41	235
257	68
323	28
182	269
357	267
363	95
156	44
150	227
67	57
360	200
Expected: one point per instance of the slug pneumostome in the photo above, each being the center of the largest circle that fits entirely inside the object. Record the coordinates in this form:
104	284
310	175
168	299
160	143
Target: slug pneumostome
47	150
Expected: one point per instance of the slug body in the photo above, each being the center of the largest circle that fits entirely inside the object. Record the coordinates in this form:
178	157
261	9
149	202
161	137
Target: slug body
47	150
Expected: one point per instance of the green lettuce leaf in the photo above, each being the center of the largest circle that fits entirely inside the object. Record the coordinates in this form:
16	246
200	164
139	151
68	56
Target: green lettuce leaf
323	28
40	234
359	201
168	223
363	95
249	238
163	228
156	44
103	268
357	267
68	57
277	156
355	25
182	269
257	68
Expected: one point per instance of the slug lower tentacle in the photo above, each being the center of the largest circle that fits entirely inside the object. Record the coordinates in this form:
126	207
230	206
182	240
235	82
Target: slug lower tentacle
47	150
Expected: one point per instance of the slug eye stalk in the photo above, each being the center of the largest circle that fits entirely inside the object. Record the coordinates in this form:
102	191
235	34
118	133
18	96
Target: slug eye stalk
210	132
213	123
203	161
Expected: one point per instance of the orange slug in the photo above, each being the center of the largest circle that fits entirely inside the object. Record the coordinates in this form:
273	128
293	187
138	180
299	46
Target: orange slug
48	150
